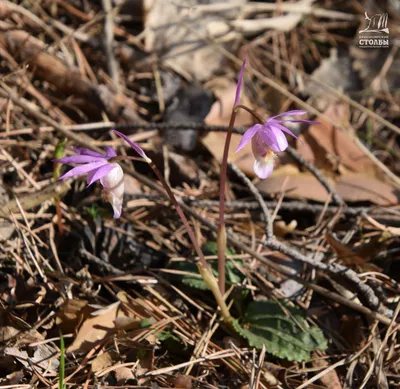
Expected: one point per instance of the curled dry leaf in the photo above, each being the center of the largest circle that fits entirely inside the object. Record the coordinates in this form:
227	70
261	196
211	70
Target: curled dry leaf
281	228
352	187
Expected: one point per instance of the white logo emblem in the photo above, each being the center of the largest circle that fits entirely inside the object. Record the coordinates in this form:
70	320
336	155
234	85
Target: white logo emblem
378	23
376	35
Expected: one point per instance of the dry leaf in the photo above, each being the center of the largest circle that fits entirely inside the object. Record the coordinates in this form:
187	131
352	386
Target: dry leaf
330	380
333	149
352	187
344	253
356	187
183	381
335	71
178	28
298	185
44	356
101	362
72	314
123	374
15	377
21	355
281	229
244	159
95	329
221	110
360	256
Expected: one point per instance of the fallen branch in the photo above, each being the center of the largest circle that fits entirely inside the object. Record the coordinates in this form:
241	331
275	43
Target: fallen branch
32	52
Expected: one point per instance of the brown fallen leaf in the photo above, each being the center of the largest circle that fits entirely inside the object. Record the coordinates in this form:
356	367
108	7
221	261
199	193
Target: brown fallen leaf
331	148
281	228
15	377
123	374
183	381
361	255
102	361
330	380
221	110
95	329
298	184
72	314
244	159
352	187
219	115
16	330
357	187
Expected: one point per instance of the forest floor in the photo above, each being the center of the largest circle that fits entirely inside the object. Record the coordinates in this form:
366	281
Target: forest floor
312	258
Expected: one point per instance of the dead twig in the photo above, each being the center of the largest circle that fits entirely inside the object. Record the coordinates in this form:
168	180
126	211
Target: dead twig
109	42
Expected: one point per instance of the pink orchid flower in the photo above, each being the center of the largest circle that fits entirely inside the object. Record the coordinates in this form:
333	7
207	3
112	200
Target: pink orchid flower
102	167
268	139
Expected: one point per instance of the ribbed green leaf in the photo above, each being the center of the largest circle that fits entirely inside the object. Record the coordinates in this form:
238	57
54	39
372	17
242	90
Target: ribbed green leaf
285	336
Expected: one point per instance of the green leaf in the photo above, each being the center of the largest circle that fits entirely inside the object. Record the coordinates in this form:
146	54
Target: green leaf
61	369
194	280
58	154
146	323
285	336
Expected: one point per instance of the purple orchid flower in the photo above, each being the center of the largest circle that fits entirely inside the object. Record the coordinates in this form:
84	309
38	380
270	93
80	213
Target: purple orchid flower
101	167
268	139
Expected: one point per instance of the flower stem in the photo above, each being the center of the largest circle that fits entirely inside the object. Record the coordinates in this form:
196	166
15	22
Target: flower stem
251	112
221	240
202	264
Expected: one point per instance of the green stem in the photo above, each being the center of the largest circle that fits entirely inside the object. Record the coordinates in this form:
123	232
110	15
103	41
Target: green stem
202	265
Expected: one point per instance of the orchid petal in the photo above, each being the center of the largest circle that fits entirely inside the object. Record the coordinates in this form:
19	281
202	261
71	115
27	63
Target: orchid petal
284	129
289	113
80	159
116	203
239	84
114	187
133	145
274	138
83	151
248	135
99	173
110	152
297	121
263	167
259	147
79	170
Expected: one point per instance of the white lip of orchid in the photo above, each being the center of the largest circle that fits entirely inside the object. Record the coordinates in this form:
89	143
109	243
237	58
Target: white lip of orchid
264	158
114	188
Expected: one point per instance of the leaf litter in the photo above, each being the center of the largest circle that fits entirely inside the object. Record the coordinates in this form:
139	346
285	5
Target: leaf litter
126	294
